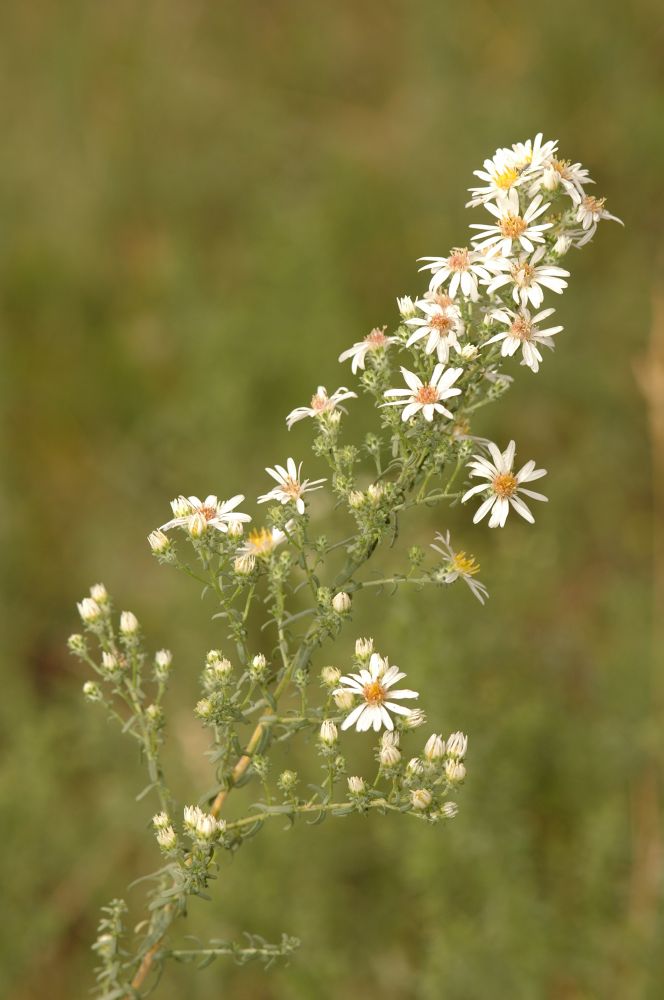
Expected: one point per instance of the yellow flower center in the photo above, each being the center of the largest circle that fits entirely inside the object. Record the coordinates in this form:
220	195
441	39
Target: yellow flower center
441	322
513	226
261	541
427	394
522	328
560	167
505	484
374	693
459	259
506	178
467	565
522	274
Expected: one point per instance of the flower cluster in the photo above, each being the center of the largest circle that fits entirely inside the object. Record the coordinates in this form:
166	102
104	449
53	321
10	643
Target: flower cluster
296	588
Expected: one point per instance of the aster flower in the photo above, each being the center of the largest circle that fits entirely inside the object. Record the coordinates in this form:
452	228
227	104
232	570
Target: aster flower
289	488
427	398
459	566
562	173
373	686
504	487
533	153
511	226
528	277
321	404
213	512
522	332
441	325
501	173
374	341
463	266
591	211
263	541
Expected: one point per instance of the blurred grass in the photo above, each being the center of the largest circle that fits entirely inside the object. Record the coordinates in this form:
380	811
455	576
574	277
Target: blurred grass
202	206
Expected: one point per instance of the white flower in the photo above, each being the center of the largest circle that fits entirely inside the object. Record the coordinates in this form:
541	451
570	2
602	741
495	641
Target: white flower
330	676
406	306
427	398
341	602
504	486
441	325
528	278
128	623
213	512
161	820
321	404
464	266
167	838
355	785
458	565
500	173
373	686
99	593
289	489
89	610
455	771
389	754
328	733
561	173
374	341
511	226
263	541
364	648
159	542
414	719
245	564
591	211
533	153
522	332
201	825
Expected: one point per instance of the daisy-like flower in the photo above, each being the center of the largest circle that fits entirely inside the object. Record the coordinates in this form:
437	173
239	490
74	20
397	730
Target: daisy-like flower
426	397
213	512
522	332
374	341
500	173
441	325
511	226
463	266
459	566
528	277
504	487
289	488
372	685
533	153
262	542
591	211
562	173
321	404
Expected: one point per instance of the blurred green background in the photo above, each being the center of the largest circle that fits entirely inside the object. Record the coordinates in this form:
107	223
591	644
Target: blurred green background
202	205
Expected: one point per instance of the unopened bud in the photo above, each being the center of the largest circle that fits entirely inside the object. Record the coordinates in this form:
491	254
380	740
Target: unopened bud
457	744
128	623
415	766
406	306
356	785
344	699
449	810
89	610
328	733
562	245
420	798
258	668
244	565
341	603
92	691
414	719
99	593
355	499
197	525
77	644
287	780
167	838
159	542
364	648
375	492
434	748
455	770
330	676
235	529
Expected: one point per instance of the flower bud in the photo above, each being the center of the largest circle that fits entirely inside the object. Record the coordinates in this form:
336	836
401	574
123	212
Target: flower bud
204	709
163	660
415	766
160	821
420	798
77	644
167	838
128	623
434	748
389	755
287	781
375	492
159	542
562	245
245	565
455	771
330	676
364	648
468	352
356	785
235	529
344	699
328	733
196	525
155	715
89	610
406	306
355	499
109	663
341	603
258	668
99	593
92	691
449	810
180	507
414	719
457	744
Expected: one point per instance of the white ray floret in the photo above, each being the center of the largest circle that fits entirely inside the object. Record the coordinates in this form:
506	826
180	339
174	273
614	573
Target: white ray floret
373	686
511	227
528	278
571	177
504	487
522	332
320	404
591	211
441	324
532	154
290	487
216	513
426	397
262	542
500	173
462	266
357	354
